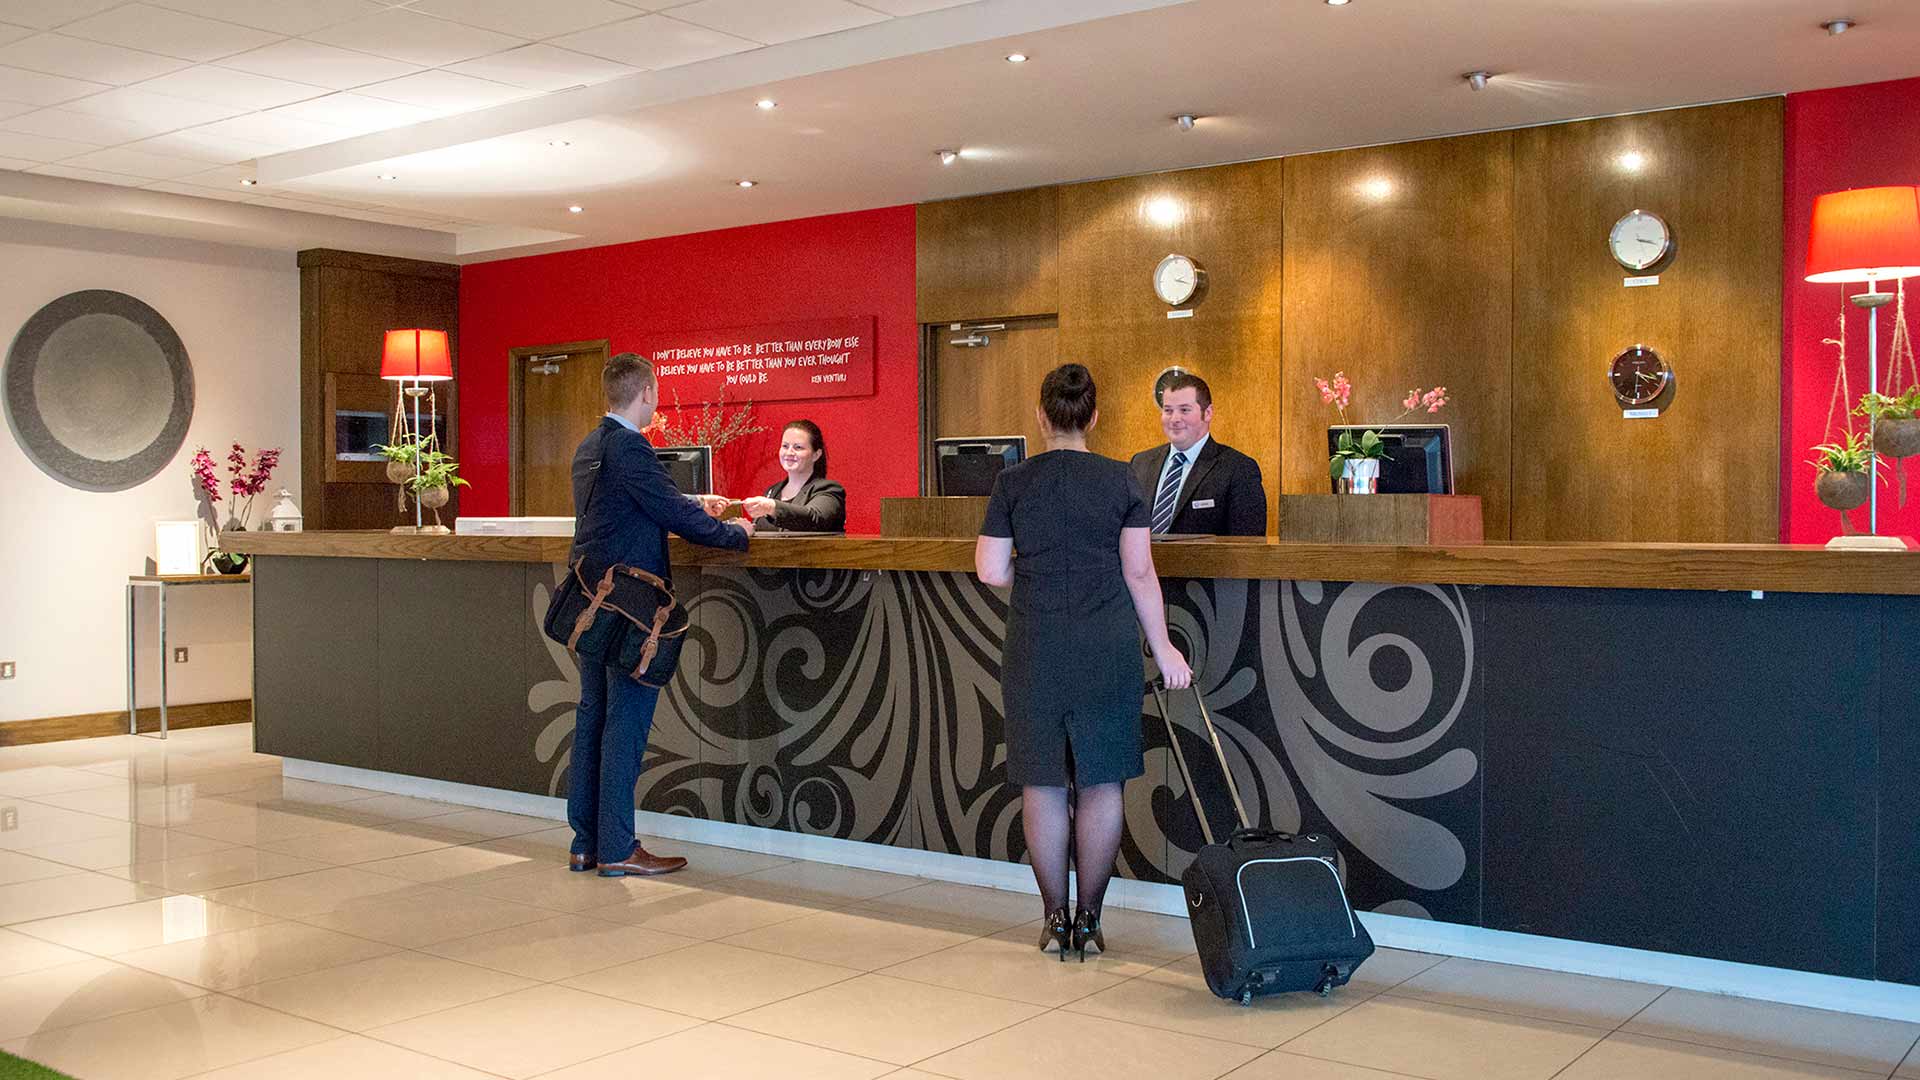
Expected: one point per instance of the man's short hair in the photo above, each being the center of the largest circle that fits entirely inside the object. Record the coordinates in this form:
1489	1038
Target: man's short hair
1187	380
624	377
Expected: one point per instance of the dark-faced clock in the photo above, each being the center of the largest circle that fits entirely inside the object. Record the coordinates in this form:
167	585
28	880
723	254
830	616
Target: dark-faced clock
1638	377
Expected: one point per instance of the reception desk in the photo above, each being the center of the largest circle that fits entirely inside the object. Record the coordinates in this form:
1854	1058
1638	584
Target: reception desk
1704	750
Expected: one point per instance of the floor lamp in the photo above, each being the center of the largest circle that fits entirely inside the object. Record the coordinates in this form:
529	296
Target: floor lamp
415	358
1866	235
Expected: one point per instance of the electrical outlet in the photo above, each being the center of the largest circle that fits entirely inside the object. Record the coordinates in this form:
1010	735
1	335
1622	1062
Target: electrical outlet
179	654
9	818
6	669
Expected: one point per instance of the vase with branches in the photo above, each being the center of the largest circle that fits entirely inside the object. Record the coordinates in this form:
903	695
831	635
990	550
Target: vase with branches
713	426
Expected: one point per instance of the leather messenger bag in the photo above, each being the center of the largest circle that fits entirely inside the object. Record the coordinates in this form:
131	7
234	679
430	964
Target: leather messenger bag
627	620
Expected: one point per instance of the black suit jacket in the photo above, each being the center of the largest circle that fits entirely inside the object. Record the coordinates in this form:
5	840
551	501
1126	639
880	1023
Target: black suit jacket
821	506
625	503
1222	494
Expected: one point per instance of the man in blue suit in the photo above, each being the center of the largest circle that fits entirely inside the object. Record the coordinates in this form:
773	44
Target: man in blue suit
624	505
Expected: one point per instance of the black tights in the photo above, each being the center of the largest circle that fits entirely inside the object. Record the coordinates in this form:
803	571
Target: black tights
1097	818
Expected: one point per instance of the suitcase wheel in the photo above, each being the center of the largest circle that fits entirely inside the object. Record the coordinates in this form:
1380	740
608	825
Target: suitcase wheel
1246	997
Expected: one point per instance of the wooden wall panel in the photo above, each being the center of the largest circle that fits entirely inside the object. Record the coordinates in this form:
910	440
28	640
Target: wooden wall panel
988	257
348	301
1228	219
1709	469
1399	266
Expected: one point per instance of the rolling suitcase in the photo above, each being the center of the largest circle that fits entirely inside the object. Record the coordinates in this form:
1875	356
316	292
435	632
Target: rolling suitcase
1268	909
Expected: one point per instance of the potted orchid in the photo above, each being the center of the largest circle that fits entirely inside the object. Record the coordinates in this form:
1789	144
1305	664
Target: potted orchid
245	481
1355	462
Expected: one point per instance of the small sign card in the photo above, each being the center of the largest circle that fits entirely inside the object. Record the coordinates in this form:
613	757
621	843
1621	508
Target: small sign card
1640	414
1642	282
1180	313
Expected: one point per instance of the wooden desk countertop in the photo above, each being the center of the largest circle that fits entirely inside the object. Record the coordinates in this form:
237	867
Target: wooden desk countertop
1737	567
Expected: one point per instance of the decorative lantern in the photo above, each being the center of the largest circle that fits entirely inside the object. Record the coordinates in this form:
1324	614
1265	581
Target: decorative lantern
285	516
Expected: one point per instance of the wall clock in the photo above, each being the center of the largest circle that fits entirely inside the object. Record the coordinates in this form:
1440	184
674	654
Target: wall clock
1640	239
1638	377
1177	279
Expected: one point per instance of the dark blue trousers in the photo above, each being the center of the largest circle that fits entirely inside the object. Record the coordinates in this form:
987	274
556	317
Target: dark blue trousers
609	740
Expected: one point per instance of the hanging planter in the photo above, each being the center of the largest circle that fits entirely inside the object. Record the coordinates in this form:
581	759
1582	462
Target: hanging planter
434	498
1896	431
1845	480
1842	490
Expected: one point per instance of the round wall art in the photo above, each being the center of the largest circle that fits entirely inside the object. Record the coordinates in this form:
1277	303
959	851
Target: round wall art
99	390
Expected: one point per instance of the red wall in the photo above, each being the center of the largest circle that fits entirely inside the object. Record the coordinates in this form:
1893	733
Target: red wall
1854	136
843	264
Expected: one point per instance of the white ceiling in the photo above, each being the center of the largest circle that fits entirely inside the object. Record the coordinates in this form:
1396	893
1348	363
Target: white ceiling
462	101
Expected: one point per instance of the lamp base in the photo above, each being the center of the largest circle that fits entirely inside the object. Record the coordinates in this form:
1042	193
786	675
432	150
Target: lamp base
420	530
1864	542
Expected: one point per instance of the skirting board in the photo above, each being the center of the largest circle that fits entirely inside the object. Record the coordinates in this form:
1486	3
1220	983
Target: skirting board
99	725
1861	996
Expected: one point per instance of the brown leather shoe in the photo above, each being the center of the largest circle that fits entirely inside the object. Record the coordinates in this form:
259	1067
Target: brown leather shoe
642	864
581	863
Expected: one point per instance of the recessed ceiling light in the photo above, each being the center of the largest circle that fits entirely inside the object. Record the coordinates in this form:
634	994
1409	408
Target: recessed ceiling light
575	209
248	181
1836	27
1185	121
746	183
1017	58
767	103
947	157
387	176
558	144
1478	79
1338	3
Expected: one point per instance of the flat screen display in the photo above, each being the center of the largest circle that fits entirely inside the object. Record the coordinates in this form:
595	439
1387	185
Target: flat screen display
968	466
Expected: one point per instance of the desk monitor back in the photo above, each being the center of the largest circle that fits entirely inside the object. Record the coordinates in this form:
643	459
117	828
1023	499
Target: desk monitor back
968	466
691	467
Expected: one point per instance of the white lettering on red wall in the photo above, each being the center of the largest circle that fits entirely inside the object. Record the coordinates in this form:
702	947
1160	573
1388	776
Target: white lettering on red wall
820	358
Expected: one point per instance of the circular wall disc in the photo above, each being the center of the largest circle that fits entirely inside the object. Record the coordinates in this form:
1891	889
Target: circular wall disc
99	390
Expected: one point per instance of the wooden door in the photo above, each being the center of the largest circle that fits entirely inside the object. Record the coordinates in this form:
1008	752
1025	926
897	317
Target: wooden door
991	387
556	401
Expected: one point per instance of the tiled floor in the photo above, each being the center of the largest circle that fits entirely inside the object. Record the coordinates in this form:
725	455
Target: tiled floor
177	909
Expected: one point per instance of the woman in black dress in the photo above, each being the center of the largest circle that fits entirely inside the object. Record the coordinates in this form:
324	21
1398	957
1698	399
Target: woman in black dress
806	501
1070	675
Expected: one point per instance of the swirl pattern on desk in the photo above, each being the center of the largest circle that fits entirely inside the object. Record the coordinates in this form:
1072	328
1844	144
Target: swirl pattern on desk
866	706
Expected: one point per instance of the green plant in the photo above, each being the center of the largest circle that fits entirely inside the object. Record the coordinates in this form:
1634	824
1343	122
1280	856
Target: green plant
1881	407
1369	446
1850	456
403	451
435	471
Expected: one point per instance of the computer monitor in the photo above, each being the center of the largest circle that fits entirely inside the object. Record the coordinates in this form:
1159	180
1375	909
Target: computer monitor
968	466
1419	457
690	466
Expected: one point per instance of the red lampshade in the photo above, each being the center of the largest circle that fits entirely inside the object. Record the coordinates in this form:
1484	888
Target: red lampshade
1865	234
416	356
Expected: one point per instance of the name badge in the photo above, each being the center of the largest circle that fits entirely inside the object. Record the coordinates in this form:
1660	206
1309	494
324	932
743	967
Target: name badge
1203	504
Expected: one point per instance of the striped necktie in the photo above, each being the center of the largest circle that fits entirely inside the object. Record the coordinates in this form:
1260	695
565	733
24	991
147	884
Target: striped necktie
1169	495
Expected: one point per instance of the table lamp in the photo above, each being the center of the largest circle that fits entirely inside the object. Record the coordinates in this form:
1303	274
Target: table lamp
415	358
1866	235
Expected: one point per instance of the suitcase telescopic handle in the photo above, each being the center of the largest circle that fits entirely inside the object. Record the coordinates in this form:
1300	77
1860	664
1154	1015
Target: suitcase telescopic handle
1180	756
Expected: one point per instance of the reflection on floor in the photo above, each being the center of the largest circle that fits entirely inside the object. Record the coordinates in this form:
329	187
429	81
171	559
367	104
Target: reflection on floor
178	909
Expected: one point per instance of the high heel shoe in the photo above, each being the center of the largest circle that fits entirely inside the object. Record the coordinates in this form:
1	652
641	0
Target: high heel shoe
1087	937
1057	934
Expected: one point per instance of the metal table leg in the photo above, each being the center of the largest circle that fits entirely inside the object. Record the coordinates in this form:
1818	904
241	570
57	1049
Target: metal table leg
133	712
161	603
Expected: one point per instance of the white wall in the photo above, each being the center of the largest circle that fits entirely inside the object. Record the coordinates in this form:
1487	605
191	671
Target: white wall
65	554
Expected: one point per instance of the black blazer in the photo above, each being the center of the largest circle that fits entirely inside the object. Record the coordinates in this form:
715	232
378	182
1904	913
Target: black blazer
1222	494
624	504
820	507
